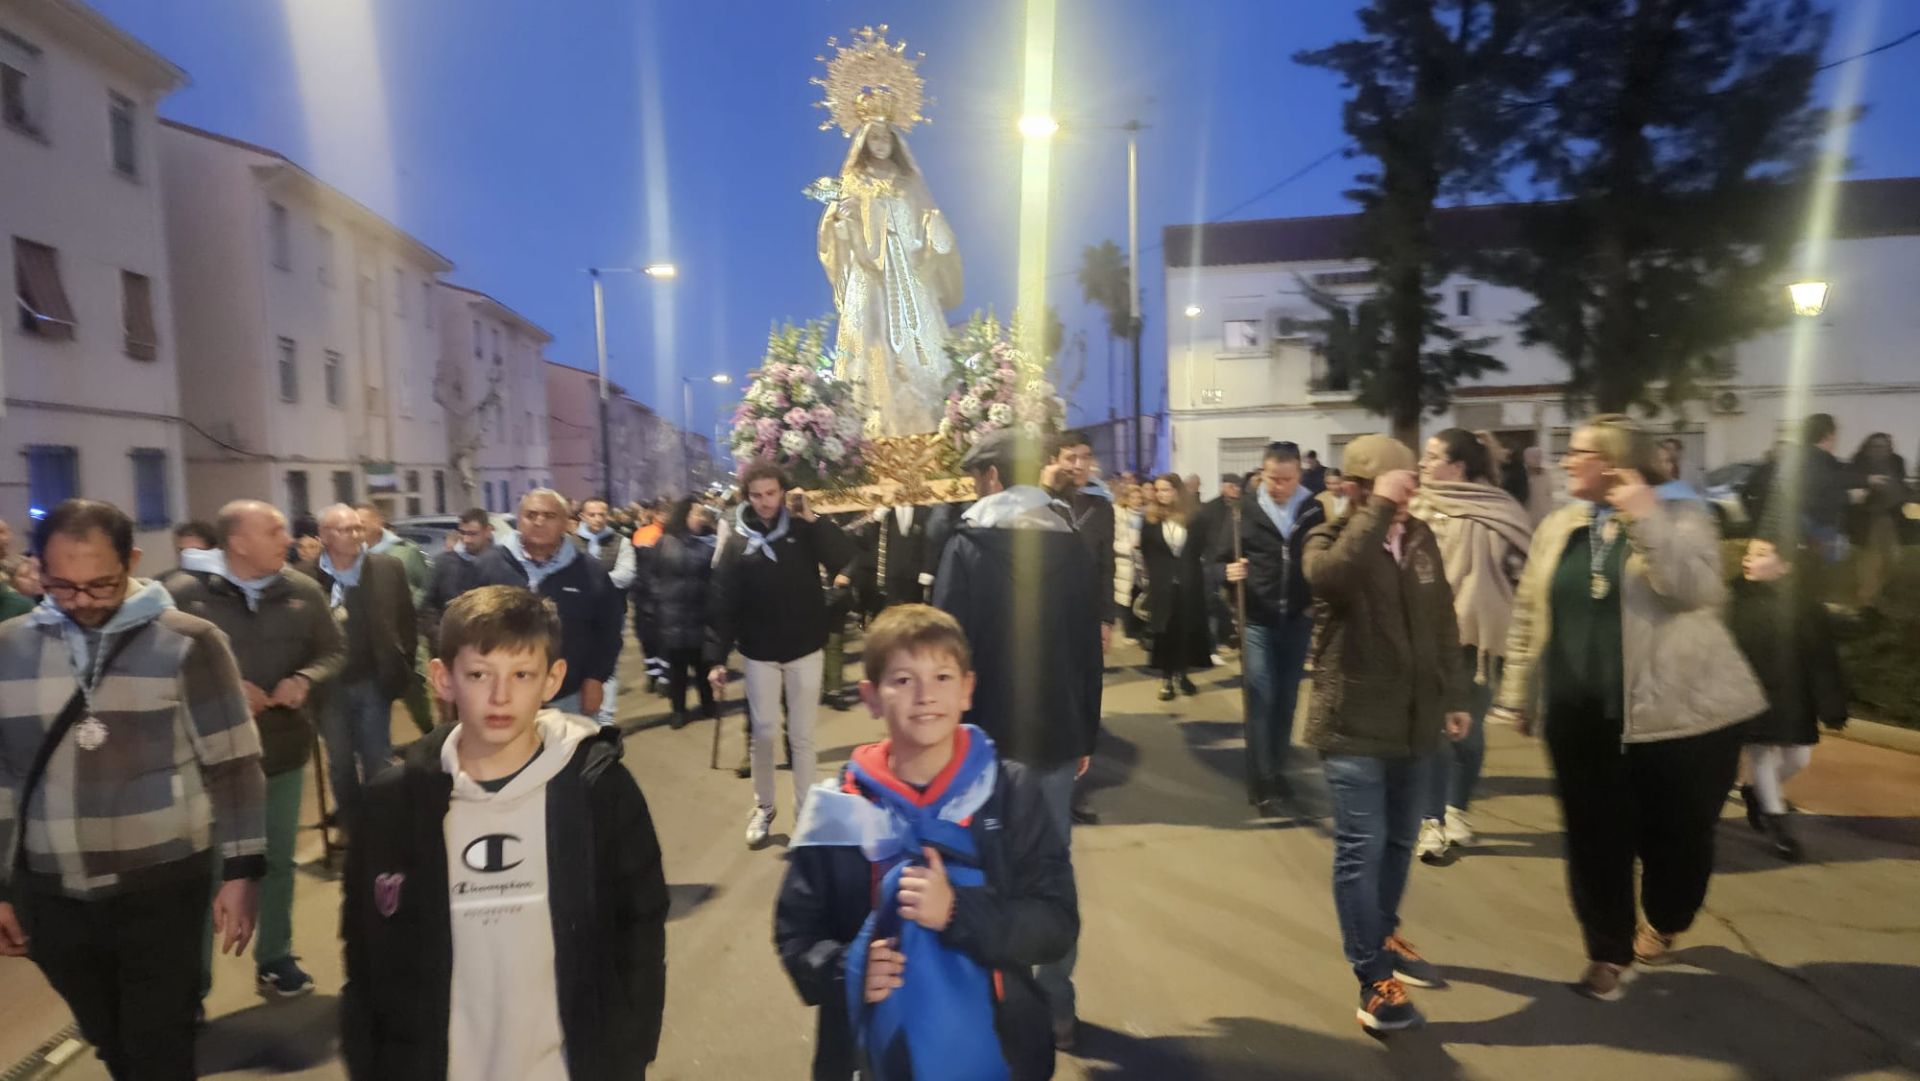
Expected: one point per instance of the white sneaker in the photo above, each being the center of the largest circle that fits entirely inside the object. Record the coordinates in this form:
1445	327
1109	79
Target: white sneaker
1459	828
1432	846
758	825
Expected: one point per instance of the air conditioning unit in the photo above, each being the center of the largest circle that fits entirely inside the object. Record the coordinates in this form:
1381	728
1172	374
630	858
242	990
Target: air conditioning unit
1729	403
1290	325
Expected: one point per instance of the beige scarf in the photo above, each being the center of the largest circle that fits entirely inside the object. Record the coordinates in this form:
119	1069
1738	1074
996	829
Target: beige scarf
1484	535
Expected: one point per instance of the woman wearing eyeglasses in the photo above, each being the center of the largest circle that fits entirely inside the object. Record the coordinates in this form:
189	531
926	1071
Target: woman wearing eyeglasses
1618	650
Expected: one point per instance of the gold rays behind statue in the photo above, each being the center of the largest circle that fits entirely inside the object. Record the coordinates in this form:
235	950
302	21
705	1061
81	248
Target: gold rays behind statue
871	79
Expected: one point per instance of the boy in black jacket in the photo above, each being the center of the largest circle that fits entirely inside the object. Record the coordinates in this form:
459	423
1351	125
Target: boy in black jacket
504	910
924	885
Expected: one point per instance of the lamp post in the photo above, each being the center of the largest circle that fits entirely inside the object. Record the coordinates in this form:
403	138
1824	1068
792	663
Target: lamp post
718	379
1809	297
656	271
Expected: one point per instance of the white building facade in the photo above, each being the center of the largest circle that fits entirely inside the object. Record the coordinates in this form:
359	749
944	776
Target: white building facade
493	385
1242	368
310	337
89	394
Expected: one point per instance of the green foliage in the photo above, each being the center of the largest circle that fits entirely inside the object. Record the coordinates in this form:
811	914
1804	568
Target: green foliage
1355	342
1103	283
804	344
1676	141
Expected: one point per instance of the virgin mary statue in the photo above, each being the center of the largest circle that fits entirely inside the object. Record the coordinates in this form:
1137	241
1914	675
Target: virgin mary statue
894	266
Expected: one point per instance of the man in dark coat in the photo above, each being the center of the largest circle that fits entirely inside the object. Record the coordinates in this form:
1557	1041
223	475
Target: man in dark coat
1213	530
369	595
1388	681
541	558
1023	586
455	572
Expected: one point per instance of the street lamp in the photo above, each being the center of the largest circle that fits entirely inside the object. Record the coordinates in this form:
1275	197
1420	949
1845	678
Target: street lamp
1039	127
1809	297
656	271
1193	311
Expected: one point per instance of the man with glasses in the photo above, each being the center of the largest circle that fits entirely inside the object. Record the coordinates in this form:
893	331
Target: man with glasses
1275	517
286	642
131	758
541	558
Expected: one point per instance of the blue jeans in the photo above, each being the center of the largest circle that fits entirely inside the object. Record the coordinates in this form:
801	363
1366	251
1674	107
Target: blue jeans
1274	659
1376	818
1454	769
356	725
1056	979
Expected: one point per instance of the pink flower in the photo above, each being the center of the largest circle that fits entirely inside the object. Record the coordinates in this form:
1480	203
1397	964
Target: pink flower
766	429
797	418
823	417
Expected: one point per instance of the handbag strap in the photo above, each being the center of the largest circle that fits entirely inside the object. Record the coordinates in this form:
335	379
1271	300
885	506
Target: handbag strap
70	715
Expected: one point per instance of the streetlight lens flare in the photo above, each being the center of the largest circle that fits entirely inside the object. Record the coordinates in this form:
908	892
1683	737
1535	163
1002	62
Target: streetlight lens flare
1039	126
1809	297
1193	311
723	379
660	270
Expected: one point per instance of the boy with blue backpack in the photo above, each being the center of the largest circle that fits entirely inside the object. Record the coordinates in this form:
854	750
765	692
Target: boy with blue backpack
925	882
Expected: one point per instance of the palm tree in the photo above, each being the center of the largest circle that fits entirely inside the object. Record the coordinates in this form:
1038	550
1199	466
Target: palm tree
1103	282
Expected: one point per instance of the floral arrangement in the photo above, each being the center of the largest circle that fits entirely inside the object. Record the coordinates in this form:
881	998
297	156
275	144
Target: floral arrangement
995	384
798	416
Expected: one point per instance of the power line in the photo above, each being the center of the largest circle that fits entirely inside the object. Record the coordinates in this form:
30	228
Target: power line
1901	40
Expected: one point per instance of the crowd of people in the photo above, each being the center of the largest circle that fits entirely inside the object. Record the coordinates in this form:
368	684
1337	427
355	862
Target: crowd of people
504	903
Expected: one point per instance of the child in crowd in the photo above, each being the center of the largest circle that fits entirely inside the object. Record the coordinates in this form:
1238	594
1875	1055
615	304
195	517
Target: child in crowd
505	910
925	883
1783	629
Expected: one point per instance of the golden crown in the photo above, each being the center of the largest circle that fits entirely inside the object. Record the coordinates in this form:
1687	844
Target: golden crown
871	79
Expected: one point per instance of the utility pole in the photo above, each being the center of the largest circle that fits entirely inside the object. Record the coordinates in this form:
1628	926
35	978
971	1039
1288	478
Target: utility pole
1133	128
600	341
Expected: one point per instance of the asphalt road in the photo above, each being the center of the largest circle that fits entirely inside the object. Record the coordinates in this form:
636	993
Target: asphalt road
1209	948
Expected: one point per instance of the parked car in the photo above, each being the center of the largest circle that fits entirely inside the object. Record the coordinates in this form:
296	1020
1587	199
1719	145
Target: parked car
1726	493
429	531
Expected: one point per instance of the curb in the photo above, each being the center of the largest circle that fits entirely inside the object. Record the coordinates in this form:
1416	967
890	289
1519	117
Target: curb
52	1056
1877	734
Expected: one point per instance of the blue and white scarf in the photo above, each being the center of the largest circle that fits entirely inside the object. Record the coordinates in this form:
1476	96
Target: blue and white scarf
763	542
344	579
214	561
536	571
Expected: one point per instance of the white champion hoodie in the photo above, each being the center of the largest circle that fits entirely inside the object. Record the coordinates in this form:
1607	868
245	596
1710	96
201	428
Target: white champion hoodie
504	1024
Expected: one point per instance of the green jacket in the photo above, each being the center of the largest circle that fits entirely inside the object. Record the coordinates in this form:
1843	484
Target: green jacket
1386	658
410	557
292	633
13	602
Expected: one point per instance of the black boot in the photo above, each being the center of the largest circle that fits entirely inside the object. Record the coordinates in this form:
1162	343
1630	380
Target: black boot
1166	690
678	720
1186	686
1755	816
1785	845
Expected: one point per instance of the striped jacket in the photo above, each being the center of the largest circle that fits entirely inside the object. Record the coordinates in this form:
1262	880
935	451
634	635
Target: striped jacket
178	774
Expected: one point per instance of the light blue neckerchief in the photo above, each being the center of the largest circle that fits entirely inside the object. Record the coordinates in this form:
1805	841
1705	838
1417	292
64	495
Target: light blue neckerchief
388	538
214	561
536	571
142	606
1283	517
762	542
595	540
346	579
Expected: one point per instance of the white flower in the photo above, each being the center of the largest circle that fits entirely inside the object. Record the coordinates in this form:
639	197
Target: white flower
946	427
832	449
970	407
846	425
1001	414
1032	429
793	442
801	393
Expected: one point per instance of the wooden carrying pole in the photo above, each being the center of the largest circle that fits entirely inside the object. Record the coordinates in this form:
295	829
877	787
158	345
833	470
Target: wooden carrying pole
1240	627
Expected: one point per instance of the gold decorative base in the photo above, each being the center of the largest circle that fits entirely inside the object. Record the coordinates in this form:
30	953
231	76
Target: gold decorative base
914	469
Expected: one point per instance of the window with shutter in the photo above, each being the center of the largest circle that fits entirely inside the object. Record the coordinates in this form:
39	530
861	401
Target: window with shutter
44	309
136	302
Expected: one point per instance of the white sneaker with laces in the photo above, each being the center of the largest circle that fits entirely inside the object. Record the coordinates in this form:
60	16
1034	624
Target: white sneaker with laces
758	826
1459	828
1432	846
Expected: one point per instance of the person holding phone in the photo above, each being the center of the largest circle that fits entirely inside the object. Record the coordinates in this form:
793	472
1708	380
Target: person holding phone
1617	649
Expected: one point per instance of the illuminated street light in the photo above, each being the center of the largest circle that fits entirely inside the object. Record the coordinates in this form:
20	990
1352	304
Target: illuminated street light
1809	297
1039	127
1193	311
722	378
660	270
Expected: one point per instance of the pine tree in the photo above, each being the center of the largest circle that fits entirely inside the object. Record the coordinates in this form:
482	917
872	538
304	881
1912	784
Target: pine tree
1432	83
1677	138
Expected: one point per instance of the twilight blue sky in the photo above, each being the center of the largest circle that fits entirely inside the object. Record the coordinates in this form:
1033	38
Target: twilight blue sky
528	140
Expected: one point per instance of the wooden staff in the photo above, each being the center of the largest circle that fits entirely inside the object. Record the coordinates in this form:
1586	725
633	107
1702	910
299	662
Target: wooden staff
1240	628
719	719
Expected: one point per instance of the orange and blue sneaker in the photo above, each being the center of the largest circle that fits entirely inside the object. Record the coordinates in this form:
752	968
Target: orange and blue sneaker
1384	1007
1411	968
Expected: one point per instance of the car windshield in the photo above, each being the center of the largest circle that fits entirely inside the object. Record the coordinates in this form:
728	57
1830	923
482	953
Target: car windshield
1732	475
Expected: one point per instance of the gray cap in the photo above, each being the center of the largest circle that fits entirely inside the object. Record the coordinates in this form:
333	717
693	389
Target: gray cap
1013	453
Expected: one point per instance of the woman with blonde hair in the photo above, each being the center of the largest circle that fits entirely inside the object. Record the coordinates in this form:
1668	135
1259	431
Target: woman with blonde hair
1176	586
1618	650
